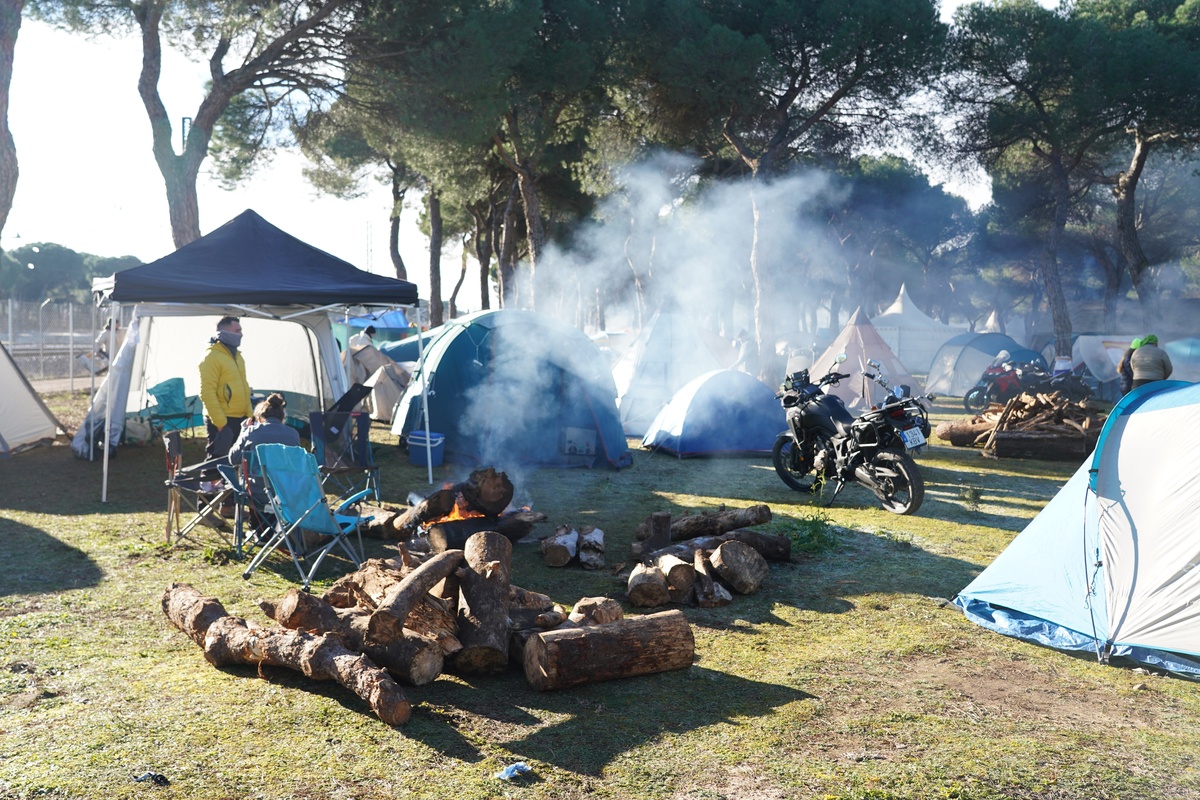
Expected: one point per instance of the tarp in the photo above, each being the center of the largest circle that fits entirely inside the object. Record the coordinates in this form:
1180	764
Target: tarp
860	341
962	359
667	353
514	388
24	419
722	412
283	289
912	334
1111	566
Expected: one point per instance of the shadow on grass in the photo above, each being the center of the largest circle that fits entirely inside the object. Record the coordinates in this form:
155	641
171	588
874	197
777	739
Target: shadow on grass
34	562
50	480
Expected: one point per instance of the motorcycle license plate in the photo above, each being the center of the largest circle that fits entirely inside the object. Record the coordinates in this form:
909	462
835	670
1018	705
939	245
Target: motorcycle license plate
913	438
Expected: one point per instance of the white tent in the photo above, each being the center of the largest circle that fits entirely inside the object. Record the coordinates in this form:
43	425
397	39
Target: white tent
24	419
912	334
1111	566
668	352
860	341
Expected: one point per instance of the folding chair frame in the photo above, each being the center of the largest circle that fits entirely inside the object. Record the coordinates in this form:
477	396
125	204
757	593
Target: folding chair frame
347	477
180	494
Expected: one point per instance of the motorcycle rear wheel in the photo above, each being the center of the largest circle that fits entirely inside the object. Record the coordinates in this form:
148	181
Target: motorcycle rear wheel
901	487
976	399
792	466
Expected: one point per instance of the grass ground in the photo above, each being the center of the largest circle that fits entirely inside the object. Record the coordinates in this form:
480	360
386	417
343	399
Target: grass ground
846	676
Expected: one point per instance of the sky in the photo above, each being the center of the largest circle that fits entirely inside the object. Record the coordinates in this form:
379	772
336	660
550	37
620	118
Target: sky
88	180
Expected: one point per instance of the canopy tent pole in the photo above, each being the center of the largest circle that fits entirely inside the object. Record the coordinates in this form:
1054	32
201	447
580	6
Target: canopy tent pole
108	401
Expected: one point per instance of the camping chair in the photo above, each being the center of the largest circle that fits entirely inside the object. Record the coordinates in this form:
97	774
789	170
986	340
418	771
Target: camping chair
341	441
253	517
303	522
172	410
199	488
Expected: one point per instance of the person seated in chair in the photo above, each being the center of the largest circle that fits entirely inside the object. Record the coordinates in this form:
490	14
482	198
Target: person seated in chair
268	427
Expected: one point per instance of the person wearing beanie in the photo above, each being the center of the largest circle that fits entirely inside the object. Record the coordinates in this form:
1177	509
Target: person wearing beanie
360	340
224	389
1124	370
1149	362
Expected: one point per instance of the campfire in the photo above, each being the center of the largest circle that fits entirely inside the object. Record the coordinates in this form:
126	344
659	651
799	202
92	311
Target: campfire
451	515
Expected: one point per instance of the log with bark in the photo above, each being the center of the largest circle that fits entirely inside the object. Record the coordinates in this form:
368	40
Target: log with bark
771	546
413	658
560	548
657	528
712	523
591	547
647	587
370	583
596	611
228	640
631	646
485	492
680	575
483	605
709	593
740	566
387	621
453	534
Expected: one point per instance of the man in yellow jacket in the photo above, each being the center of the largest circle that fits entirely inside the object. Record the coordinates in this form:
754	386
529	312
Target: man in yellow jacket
224	389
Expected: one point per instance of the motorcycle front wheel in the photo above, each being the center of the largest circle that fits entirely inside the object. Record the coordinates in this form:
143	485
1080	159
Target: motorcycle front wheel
976	399
901	488
791	464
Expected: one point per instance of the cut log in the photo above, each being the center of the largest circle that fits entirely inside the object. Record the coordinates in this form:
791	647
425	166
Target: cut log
432	618
483	605
229	640
412	658
523	598
528	609
741	566
713	523
963	433
558	550
596	611
369	584
453	534
771	546
647	587
387	621
632	646
657	531
487	491
709	593
591	547
680	575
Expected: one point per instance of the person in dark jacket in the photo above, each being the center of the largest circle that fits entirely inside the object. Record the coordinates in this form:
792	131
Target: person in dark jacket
1124	370
269	427
1150	362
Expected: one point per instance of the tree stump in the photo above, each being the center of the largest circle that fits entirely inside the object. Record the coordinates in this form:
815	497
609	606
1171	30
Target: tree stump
229	640
740	566
483	605
647	587
632	646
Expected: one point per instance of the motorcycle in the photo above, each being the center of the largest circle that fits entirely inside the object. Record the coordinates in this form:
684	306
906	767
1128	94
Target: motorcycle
825	440
1002	382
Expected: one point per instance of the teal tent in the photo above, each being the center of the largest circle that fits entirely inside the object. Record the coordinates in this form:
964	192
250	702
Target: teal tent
509	387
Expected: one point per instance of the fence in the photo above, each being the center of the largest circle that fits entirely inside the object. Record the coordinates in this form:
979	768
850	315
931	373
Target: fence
46	339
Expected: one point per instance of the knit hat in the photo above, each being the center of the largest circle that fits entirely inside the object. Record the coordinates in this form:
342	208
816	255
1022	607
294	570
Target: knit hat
1149	338
1136	343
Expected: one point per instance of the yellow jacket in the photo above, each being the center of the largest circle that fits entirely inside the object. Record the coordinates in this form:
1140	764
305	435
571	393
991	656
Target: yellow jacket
224	389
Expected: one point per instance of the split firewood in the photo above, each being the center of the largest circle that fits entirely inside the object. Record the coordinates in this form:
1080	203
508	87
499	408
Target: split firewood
709	593
229	640
658	531
434	619
771	546
558	550
596	611
591	547
647	587
528	609
412	658
370	583
631	646
387	621
680	575
483	605
523	598
712	523
741	566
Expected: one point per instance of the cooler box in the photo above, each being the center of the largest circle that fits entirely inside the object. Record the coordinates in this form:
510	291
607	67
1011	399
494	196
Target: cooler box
416	448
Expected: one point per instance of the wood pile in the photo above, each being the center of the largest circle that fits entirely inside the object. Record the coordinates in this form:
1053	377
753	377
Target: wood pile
702	559
409	618
1045	426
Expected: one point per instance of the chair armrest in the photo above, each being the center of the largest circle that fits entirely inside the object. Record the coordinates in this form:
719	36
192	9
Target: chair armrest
352	499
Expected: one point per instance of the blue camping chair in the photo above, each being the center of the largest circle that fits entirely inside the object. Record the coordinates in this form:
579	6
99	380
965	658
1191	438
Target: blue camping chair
302	520
173	411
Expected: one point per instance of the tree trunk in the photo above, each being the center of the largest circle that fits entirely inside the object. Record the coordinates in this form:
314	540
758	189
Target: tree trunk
462	276
506	253
1051	278
434	205
229	640
10	24
483	249
399	189
388	619
483	605
632	646
535	229
1128	241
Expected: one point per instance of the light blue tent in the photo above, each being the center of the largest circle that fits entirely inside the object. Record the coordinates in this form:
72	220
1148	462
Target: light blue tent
1185	358
722	412
1111	566
961	360
509	387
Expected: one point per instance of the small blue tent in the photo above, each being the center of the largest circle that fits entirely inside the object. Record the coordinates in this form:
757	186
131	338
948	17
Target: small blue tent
722	412
1111	566
960	362
509	387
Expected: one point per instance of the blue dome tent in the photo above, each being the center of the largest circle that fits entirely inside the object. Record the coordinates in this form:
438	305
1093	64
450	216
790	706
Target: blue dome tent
722	412
962	359
509	387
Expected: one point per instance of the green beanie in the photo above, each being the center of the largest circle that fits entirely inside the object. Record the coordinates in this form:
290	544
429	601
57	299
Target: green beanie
1150	339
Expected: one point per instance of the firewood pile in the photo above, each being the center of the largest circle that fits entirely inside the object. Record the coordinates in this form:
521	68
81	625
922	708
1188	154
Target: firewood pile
698	559
1046	426
436	608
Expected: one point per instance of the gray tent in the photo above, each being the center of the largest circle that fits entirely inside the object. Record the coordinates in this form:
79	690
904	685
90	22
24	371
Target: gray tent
24	419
